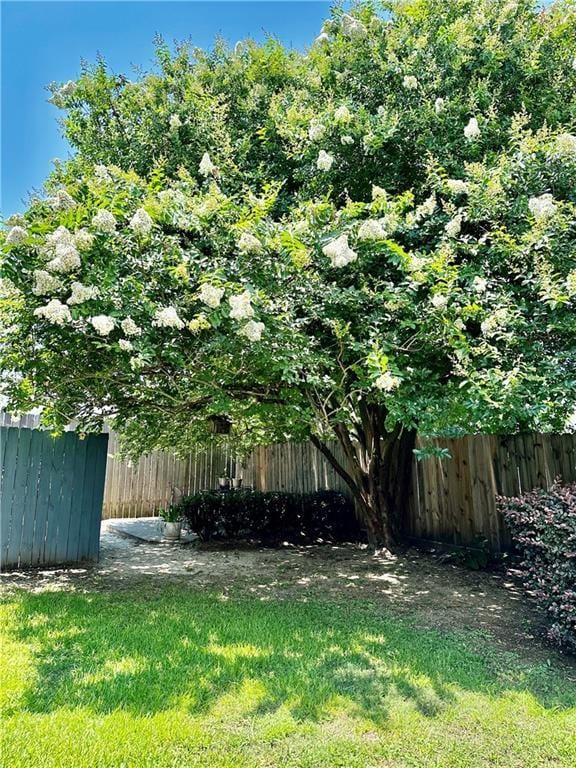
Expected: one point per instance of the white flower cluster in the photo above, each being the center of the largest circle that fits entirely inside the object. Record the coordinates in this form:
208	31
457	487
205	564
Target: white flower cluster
472	130
439	105
372	229
172	197
426	208
316	131
378	192
167	317
542	207
175	122
339	252
210	295
322	39
479	284
415	263
103	324
60	236
342	114
137	362
352	28
54	312
565	144
454	226
102	173
125	345
241	306
346	139
67	89
67	259
301	227
252	330
325	160
15	220
82	293
493	322
206	167
16	236
439	301
62	201
410	82
457	186
45	283
248	243
141	223
386	382
104	221
83	239
130	328
62	244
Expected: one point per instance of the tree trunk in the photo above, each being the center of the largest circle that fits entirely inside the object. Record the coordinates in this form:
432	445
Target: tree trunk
385	489
378	471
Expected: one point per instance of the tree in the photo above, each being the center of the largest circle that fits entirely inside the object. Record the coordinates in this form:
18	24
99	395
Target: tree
371	238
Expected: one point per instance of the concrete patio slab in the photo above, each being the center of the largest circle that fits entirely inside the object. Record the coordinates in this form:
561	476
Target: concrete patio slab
148	529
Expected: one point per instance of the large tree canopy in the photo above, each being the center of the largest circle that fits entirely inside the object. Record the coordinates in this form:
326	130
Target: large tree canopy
370	238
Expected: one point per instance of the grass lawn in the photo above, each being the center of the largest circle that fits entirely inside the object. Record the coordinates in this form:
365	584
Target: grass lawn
126	679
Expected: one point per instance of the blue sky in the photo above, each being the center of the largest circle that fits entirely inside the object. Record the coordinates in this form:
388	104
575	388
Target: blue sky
45	41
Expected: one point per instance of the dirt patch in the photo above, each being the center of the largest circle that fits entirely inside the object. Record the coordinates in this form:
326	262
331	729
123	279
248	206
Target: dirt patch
434	593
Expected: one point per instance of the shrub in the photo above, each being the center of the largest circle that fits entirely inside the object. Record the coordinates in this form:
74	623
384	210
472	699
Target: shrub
543	526
271	517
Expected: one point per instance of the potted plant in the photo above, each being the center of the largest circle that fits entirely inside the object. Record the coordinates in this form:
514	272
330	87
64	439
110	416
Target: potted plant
224	480
172	522
236	482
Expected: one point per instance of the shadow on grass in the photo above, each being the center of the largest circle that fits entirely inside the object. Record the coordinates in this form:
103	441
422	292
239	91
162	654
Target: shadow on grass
144	654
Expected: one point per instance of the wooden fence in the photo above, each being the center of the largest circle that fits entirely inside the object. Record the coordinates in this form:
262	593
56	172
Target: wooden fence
451	500
144	487
454	500
136	489
50	497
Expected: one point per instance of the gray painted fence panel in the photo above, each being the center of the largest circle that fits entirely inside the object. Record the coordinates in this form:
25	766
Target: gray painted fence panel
8	478
51	493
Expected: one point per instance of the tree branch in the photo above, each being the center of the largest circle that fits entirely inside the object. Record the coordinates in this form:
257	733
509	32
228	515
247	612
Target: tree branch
336	465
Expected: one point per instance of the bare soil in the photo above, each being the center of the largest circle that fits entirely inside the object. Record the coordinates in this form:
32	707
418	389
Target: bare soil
432	592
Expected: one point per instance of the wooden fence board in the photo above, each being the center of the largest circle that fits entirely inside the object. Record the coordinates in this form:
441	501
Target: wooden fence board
31	496
79	470
42	509
19	497
98	446
9	455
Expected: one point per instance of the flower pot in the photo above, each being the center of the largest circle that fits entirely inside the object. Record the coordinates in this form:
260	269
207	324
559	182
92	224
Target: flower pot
236	482
224	483
172	531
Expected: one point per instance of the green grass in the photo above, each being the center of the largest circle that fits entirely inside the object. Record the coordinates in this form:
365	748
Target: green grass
181	679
